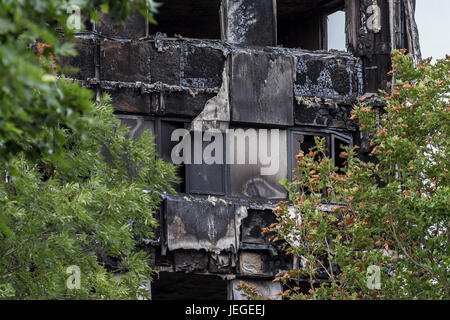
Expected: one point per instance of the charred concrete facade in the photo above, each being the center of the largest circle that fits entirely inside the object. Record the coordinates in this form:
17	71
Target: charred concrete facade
258	64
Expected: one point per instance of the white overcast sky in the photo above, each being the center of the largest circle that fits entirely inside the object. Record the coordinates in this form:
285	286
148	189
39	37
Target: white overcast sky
433	21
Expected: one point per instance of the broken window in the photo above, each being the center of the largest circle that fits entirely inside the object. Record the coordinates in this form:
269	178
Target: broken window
189	18
165	143
203	167
303	23
304	141
258	163
182	286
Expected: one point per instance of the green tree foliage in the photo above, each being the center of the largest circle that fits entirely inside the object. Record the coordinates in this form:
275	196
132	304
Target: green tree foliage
61	202
392	213
81	210
32	99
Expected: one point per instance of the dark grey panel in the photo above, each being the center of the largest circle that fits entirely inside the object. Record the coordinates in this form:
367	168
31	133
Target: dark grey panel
206	178
166	146
202	67
130	100
261	89
125	61
84	61
199	225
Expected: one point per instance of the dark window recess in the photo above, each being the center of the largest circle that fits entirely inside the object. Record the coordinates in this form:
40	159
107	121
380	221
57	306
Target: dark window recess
247	180
165	148
301	141
189	18
206	178
182	286
338	145
303	23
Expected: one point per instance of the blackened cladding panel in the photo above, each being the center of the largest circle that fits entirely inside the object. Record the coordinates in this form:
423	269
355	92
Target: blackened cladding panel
202	67
261	89
182	104
84	61
199	225
250	22
165	60
125	61
129	100
326	76
206	178
134	27
251	180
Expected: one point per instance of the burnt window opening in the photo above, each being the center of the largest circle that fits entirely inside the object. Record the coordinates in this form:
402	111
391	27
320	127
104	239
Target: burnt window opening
304	141
182	286
189	18
338	145
252	227
166	145
207	178
303	23
197	178
249	177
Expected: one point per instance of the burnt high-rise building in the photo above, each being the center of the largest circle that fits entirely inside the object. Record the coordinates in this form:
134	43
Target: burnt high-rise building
239	64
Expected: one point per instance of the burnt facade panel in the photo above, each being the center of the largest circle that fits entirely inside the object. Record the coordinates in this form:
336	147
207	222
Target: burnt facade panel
133	28
261	89
125	61
326	76
199	225
202	67
129	100
84	61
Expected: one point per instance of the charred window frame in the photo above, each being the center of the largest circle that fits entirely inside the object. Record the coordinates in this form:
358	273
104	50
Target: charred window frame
303	23
164	129
196	178
246	180
207	178
334	142
189	18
